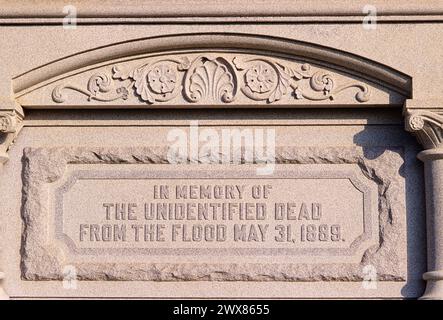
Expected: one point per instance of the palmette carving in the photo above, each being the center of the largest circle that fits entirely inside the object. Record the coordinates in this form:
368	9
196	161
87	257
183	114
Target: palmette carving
215	79
210	79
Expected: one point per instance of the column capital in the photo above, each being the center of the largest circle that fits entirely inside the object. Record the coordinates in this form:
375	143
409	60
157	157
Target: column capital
11	122
425	120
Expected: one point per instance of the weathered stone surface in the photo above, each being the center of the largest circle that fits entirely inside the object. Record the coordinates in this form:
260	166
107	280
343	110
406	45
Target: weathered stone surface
331	81
43	258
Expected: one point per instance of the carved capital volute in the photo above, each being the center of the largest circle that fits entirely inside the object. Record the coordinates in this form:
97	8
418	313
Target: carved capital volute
425	120
11	122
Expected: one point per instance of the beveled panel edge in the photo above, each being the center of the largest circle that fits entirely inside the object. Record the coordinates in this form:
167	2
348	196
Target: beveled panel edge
41	260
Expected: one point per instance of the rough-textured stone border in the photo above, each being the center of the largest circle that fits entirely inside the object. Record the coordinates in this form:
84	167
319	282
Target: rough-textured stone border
43	261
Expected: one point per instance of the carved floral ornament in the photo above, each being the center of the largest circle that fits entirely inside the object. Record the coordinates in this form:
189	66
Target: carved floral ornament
213	78
427	126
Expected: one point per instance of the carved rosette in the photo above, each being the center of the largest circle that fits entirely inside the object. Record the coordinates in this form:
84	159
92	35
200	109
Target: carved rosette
425	120
427	126
267	79
216	79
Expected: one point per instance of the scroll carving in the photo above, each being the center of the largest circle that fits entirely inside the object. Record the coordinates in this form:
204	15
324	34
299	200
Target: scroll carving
427	126
216	79
269	80
10	125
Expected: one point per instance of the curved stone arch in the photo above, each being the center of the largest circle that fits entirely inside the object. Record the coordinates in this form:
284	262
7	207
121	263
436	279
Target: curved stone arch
326	72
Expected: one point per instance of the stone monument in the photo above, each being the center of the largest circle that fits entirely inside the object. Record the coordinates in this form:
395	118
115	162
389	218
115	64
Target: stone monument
285	149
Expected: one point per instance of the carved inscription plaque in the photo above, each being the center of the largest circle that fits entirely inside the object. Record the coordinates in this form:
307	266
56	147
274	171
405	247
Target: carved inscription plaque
305	209
126	214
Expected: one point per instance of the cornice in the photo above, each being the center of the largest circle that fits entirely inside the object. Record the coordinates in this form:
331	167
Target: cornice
139	11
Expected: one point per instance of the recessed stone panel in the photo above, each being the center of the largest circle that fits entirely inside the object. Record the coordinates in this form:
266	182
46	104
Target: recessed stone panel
127	214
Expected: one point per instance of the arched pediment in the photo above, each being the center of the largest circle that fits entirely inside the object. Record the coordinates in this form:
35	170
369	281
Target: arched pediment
220	70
